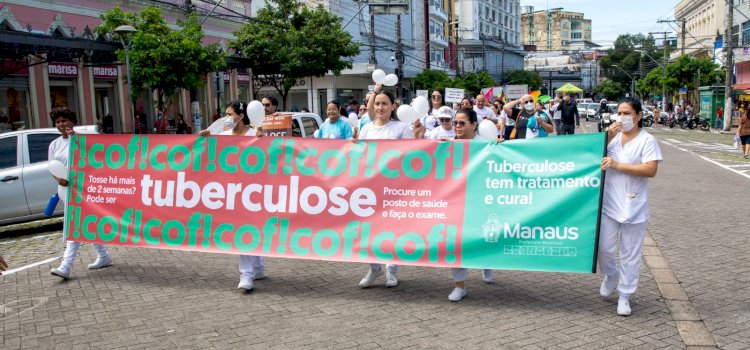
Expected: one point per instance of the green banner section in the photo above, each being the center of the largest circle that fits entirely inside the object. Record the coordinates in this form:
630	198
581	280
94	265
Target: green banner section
534	204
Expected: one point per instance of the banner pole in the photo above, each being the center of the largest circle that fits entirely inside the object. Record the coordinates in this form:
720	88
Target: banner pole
599	211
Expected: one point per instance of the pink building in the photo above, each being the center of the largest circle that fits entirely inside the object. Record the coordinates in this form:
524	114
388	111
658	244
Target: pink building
49	57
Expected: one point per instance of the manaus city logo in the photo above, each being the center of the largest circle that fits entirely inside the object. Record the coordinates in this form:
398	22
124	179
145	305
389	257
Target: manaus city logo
493	230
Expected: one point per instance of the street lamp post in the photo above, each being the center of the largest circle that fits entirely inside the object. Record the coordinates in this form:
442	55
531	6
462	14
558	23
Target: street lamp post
632	87
128	31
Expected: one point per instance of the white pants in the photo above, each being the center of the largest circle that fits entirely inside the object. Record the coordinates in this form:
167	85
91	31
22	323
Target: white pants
71	251
251	264
390	267
459	273
631	250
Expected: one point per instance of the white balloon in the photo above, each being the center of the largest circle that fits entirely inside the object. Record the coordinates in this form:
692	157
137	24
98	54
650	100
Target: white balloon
390	80
58	169
256	113
406	114
378	76
421	105
353	121
488	130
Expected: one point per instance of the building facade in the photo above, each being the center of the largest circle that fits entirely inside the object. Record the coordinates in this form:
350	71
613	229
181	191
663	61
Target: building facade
703	19
50	57
554	29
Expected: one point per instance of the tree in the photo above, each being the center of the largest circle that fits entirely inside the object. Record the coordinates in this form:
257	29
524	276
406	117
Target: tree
473	83
433	80
611	89
624	55
520	77
160	58
288	41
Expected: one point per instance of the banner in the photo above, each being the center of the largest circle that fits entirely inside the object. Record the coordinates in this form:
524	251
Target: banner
525	204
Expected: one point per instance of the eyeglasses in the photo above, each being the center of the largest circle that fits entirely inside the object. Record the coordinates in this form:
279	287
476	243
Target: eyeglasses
527	102
460	123
363	109
436	97
266	105
444	120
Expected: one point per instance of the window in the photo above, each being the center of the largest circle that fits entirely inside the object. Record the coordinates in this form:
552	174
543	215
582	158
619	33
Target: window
576	35
564	35
238	6
8	152
564	25
310	125
746	33
39	146
736	35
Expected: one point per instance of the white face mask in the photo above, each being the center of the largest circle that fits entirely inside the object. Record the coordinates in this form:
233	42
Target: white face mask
229	122
528	106
627	123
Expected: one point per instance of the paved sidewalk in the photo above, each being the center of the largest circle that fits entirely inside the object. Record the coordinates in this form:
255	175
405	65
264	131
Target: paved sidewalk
169	299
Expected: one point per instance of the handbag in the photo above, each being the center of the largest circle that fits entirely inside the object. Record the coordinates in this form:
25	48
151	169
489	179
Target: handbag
736	141
513	134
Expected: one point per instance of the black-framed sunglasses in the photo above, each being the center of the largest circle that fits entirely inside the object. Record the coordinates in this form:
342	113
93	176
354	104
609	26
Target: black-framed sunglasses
436	96
443	120
460	123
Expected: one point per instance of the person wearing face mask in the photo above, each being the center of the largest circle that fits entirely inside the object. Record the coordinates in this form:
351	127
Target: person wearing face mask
527	111
633	156
334	127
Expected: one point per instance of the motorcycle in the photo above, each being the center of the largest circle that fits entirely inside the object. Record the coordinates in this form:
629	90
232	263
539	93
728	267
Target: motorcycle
648	120
605	121
663	119
693	122
705	124
672	120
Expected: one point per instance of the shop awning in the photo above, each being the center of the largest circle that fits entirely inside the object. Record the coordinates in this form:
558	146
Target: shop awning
741	86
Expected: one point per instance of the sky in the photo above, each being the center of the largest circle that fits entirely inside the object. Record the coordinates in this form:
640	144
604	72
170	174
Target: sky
610	18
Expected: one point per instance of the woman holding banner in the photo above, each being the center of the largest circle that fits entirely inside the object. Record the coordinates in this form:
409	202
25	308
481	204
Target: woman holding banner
64	119
381	106
632	158
334	127
465	125
237	123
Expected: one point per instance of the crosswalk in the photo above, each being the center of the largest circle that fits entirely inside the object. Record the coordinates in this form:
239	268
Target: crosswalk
723	155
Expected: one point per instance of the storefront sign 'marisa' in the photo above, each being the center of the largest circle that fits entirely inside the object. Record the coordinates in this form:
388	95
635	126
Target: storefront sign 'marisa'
105	72
62	69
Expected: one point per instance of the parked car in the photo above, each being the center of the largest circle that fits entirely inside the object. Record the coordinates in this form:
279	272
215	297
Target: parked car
305	124
582	109
25	182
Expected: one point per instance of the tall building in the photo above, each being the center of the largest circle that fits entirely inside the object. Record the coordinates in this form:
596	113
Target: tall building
701	21
488	37
554	29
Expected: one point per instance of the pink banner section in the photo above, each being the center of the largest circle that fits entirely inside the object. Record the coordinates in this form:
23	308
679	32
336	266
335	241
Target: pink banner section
384	201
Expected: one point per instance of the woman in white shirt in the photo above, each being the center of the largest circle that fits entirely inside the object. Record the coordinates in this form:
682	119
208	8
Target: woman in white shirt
632	158
64	120
237	123
381	106
465	125
430	121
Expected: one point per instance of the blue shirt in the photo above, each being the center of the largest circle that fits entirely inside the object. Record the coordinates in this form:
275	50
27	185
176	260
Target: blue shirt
338	130
364	120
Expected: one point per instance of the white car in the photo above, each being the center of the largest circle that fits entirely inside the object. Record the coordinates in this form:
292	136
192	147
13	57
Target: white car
26	184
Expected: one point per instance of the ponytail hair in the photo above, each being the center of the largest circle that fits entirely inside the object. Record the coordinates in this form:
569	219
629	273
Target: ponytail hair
239	109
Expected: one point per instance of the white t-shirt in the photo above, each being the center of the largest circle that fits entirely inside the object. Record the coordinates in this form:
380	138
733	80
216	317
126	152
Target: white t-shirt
484	112
440	133
556	113
393	130
626	196
249	132
58	150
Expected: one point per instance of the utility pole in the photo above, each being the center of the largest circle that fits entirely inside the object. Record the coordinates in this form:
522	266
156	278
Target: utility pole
373	59
426	24
682	32
664	69
729	65
399	55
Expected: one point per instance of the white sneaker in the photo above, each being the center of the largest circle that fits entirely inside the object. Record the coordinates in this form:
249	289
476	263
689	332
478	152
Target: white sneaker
623	307
457	294
487	275
390	279
246	283
259	275
61	272
371	276
101	262
607	287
